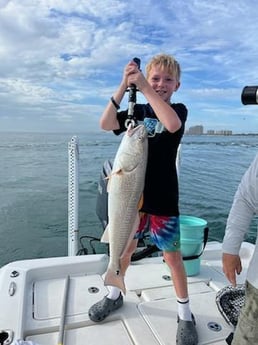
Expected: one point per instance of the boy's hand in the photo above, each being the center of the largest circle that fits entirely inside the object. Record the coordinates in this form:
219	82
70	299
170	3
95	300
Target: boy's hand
130	69
135	76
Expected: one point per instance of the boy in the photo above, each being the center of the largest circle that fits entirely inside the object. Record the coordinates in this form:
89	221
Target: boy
160	213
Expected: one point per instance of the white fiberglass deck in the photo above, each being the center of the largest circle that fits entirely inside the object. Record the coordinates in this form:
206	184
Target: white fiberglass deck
31	302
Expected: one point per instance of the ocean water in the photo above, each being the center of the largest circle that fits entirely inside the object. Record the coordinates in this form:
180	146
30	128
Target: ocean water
34	187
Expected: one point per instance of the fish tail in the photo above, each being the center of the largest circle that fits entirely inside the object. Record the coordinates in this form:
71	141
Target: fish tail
114	279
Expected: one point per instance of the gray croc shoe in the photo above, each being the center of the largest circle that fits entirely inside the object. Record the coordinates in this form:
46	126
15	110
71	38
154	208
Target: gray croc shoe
100	310
186	332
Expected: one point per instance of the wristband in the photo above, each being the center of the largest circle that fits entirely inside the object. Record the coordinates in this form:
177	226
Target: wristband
117	106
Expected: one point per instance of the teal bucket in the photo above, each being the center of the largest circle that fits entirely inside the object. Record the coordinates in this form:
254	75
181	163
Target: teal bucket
193	238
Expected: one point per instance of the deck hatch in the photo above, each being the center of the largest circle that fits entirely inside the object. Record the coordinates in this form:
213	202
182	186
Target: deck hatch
48	296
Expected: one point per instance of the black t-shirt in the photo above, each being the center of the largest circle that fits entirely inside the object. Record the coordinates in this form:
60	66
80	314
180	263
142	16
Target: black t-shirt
161	182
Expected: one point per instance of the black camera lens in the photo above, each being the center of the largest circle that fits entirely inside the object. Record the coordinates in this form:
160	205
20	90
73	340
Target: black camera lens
249	95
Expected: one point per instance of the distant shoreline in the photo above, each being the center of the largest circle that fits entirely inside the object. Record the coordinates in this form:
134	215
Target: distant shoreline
224	135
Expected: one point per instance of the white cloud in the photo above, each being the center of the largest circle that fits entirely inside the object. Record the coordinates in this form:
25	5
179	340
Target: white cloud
61	60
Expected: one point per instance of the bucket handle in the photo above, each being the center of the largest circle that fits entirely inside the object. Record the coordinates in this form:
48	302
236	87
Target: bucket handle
205	239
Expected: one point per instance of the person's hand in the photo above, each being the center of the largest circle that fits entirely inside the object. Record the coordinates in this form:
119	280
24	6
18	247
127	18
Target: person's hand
231	266
130	69
132	75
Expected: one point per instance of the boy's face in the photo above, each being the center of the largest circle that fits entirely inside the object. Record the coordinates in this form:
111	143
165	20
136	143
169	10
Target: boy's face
163	82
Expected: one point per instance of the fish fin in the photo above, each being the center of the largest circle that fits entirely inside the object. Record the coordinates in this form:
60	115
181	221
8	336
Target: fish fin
105	235
113	279
108	178
117	172
140	203
108	183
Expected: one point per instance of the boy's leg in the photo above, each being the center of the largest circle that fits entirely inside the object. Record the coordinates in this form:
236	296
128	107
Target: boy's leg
165	233
186	330
176	266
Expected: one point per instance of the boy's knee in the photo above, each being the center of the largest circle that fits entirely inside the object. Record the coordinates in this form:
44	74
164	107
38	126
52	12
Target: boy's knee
173	258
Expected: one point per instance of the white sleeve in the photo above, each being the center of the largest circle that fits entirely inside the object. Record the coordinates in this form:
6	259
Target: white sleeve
244	207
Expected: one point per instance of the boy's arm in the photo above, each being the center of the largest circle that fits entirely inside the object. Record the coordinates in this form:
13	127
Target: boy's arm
108	120
165	113
167	116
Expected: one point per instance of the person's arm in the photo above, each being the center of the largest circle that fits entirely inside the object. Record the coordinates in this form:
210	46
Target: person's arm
166	115
164	112
108	120
245	205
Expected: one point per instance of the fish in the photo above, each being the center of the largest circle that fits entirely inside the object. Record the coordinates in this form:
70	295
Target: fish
125	190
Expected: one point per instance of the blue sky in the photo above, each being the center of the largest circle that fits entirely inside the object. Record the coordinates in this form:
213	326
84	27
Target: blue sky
62	60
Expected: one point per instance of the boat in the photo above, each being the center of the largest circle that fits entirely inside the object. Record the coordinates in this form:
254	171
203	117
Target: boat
46	301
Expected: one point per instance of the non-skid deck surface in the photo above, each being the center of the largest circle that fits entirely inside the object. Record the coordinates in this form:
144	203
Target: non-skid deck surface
125	326
104	334
161	317
147	317
32	294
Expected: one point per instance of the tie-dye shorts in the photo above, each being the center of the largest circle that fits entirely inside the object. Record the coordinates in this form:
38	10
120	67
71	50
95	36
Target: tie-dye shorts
164	231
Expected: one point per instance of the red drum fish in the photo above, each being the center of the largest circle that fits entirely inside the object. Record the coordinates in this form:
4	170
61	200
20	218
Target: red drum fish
125	189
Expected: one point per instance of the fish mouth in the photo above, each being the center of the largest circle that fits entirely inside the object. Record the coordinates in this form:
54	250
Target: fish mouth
141	129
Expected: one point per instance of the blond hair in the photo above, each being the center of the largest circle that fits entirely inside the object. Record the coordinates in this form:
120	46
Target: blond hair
165	62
